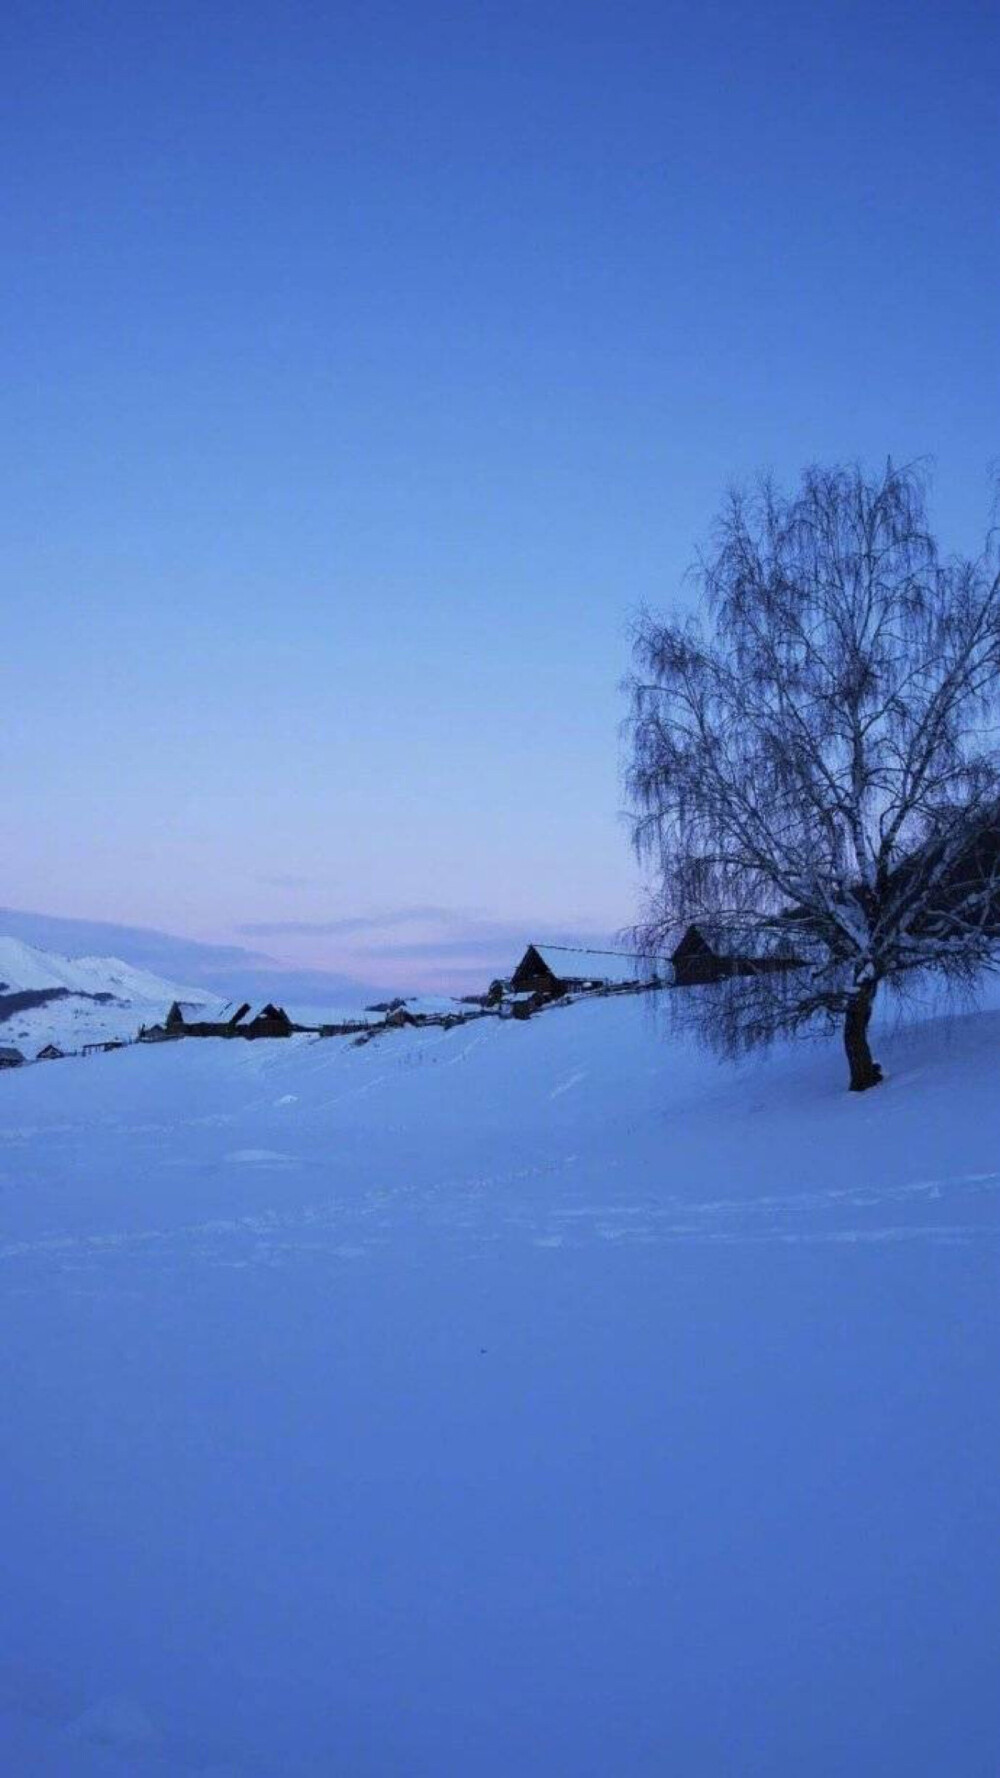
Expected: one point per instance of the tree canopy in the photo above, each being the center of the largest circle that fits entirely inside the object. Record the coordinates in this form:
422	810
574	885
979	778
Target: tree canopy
815	756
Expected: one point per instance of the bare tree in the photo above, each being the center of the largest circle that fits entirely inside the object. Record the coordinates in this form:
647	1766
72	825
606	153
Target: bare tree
815	760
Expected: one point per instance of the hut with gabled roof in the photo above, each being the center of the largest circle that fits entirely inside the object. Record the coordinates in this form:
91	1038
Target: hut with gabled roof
186	1022
271	1021
553	970
714	954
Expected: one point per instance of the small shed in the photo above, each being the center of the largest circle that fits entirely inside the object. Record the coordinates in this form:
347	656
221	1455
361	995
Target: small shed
10	1057
50	1053
558	969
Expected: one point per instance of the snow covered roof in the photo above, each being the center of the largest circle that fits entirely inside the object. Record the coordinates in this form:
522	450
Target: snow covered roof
208	1012
613	967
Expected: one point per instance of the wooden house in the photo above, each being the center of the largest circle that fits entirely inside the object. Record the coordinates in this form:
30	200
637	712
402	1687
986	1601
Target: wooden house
707	954
552	970
190	1022
271	1021
10	1057
50	1053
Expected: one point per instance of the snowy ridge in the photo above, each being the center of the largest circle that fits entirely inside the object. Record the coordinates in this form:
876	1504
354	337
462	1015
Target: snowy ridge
24	968
81	999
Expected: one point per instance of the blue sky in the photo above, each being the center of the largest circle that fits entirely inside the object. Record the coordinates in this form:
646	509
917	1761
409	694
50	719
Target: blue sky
367	366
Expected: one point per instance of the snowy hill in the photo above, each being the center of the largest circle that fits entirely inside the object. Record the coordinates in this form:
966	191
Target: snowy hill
23	967
71	1001
538	1399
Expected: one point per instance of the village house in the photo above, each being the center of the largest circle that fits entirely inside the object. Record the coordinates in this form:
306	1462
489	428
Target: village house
700	955
707	954
552	970
190	1022
50	1053
10	1057
271	1021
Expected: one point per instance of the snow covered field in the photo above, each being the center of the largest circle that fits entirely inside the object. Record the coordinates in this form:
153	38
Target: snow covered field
523	1401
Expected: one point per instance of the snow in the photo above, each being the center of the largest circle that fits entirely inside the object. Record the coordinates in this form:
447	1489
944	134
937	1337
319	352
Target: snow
528	1398
24	967
138	997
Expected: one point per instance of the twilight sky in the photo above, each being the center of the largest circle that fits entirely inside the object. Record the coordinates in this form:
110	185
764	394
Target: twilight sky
366	365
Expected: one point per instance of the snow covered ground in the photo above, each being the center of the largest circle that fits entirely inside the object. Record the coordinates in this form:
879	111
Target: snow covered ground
523	1401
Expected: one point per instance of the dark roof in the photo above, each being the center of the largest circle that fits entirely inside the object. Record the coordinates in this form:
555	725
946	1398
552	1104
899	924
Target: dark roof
564	963
746	943
973	877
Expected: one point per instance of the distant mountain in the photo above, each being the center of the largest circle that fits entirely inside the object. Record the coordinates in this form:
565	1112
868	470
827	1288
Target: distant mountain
219	970
71	1001
24	966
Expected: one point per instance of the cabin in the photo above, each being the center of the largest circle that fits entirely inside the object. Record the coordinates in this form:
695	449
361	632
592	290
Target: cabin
190	1022
271	1021
400	1016
10	1057
50	1053
554	970
708	954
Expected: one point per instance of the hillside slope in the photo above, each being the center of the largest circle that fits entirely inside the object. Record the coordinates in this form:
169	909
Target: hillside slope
538	1399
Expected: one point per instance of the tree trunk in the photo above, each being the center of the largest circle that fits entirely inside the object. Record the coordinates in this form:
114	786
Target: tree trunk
865	1071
